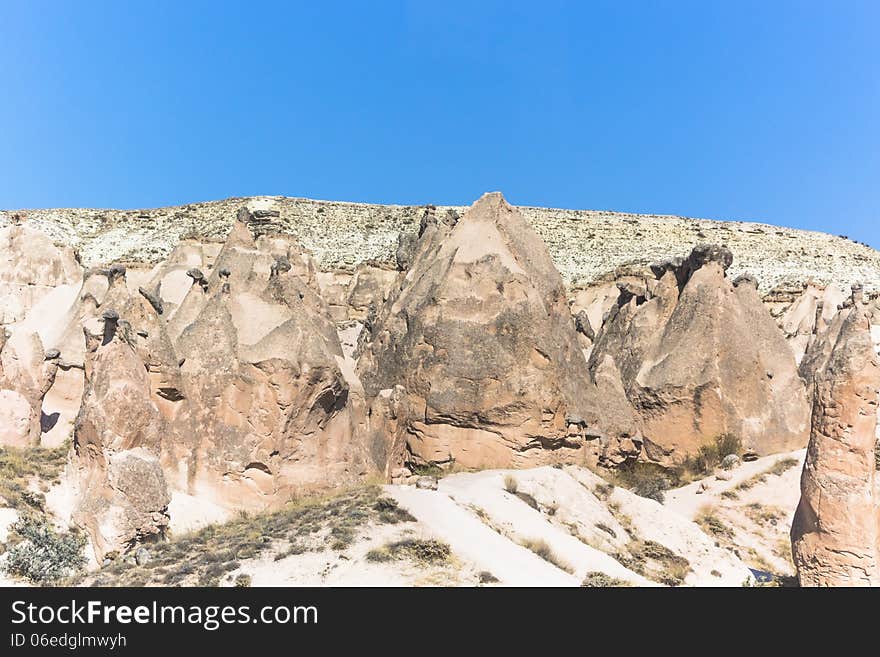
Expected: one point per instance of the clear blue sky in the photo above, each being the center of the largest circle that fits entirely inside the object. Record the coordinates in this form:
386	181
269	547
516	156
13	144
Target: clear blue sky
741	110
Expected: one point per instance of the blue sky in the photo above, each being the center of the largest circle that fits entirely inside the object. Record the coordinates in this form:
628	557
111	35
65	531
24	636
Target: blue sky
733	110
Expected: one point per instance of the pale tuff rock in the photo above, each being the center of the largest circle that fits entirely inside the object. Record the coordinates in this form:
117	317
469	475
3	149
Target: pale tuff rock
700	356
27	372
33	267
836	530
810	312
118	437
479	337
267	408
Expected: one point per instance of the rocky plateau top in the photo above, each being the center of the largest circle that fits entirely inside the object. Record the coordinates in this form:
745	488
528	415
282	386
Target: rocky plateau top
586	245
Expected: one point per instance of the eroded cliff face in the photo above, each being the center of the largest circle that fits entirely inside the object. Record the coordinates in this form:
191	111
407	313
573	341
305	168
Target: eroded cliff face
700	356
836	530
275	415
242	369
479	337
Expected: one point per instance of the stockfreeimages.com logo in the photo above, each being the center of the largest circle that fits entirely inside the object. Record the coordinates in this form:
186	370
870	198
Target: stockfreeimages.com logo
210	617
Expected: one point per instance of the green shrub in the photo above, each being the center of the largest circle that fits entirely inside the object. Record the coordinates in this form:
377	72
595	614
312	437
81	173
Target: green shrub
649	480
710	455
44	556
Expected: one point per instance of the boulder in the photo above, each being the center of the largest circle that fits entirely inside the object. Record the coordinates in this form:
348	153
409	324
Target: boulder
836	529
474	358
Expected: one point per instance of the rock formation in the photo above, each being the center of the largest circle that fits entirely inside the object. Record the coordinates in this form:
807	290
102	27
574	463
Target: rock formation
836	530
27	372
268	410
810	312
699	356
33	267
475	356
118	438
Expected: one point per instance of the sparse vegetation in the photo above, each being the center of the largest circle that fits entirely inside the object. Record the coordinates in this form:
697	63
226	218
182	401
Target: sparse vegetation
778	468
390	513
42	555
595	578
644	479
207	556
20	469
603	491
655	561
760	514
420	550
542	548
782	465
379	555
243	580
712	524
528	499
486	577
510	484
605	528
710	455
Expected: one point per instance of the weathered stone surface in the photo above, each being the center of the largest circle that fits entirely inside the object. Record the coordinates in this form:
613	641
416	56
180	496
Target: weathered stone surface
32	267
700	356
118	438
268	410
836	529
27	373
475	358
585	245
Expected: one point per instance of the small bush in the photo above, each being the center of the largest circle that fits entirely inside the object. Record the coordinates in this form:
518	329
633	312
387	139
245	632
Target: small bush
655	561
710	455
379	555
510	484
44	556
243	580
421	550
603	491
598	579
713	525
645	479
390	513
486	577
540	547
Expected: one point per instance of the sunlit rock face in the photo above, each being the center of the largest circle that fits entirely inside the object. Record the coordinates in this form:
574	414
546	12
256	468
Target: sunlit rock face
836	530
474	360
700	356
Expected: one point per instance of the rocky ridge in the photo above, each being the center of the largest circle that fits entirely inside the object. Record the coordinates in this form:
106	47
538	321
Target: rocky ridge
586	245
